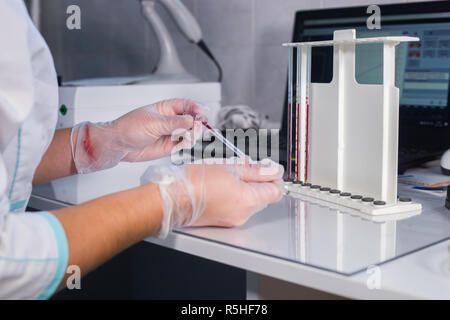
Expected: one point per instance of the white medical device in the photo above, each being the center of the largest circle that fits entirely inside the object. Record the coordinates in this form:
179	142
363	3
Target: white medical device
169	65
343	136
169	68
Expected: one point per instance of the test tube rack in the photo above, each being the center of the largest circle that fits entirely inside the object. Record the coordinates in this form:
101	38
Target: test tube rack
343	135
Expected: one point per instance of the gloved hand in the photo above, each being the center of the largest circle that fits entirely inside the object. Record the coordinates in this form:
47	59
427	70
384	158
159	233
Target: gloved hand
214	194
143	134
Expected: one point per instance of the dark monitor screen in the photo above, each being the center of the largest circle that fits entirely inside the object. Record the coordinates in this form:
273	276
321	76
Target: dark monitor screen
422	68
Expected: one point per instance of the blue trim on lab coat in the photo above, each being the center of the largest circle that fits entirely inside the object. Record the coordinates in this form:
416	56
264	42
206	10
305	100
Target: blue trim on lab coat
63	255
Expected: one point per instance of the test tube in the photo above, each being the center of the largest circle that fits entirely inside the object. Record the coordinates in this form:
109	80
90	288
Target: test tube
299	140
289	117
298	129
305	137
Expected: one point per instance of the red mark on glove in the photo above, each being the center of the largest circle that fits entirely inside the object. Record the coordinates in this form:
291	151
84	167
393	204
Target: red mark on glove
87	144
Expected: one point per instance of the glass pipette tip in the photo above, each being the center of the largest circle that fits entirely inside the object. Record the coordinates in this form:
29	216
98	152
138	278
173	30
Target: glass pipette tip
225	141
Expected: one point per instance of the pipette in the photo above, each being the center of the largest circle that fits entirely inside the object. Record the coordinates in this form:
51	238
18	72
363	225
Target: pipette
225	141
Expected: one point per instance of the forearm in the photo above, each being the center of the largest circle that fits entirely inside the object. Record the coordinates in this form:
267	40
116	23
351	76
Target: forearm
101	228
57	161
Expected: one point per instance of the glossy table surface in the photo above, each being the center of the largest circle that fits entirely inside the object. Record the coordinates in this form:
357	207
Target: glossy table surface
327	249
340	241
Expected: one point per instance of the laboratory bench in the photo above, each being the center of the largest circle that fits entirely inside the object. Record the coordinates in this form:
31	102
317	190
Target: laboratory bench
305	245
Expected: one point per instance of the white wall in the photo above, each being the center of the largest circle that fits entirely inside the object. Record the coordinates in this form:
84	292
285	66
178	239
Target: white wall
244	35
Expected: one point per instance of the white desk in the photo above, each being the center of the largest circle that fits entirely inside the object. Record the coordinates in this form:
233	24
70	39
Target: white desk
324	249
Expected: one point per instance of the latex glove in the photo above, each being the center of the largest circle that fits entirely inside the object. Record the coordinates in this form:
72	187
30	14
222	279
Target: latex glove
224	195
143	134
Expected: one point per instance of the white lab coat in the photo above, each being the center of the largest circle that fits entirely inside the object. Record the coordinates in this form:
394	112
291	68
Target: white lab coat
33	246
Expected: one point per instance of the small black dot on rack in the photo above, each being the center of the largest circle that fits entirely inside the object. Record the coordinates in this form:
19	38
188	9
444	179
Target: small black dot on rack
367	199
356	197
346	194
325	189
379	203
306	184
335	191
315	186
403	199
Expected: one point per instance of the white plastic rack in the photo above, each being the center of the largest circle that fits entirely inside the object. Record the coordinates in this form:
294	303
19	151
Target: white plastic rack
343	135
